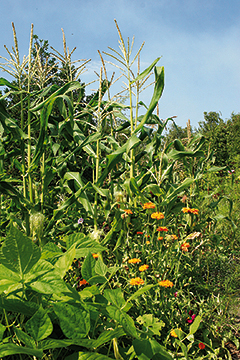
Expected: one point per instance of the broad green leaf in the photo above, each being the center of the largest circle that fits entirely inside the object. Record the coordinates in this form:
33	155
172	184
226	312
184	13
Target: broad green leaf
100	267
12	349
97	279
153	324
146	349
88	244
18	253
2	329
73	239
88	267
74	319
57	343
122	319
27	308
49	284
108	335
195	325
39	326
25	338
115	297
92	356
50	250
64	262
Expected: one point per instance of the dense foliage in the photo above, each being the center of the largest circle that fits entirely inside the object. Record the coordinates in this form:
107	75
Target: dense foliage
117	242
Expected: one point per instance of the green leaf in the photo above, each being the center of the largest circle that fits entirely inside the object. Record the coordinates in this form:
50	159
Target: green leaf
122	319
64	262
195	325
18	253
5	82
92	356
88	267
115	297
2	330
25	338
12	349
100	267
97	279
73	239
8	278
78	181
153	324
216	168
146	349
140	292
27	308
181	155
84	245
146	71
155	189
157	93
40	325
49	283
74	319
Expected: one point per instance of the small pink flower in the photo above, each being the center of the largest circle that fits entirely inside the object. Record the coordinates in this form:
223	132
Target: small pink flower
175	294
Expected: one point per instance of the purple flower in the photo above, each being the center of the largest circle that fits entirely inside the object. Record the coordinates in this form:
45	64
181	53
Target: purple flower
175	294
80	221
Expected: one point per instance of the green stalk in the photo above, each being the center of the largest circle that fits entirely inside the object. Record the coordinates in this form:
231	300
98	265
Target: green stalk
132	125
96	194
98	149
30	187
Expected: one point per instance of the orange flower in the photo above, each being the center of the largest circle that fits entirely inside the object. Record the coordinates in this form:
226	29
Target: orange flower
201	346
190	211
143	267
185	246
136	281
172	333
160	238
174	237
134	261
165	283
139	233
195	211
157	215
148	242
95	256
162	228
128	211
149	205
83	282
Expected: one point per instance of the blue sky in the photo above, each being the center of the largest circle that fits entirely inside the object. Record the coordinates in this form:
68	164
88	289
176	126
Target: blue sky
198	42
